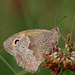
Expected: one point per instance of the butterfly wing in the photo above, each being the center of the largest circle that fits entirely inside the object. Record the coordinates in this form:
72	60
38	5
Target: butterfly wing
9	44
29	50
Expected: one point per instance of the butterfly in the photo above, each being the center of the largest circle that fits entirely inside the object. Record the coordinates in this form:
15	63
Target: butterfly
28	47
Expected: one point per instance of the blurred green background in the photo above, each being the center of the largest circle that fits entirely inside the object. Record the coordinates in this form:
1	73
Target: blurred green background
19	15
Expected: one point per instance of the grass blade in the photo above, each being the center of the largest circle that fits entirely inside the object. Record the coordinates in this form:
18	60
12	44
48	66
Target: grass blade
72	27
7	64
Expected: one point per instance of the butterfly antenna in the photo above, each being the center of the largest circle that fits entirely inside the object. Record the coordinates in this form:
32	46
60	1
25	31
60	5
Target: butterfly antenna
60	20
55	22
55	18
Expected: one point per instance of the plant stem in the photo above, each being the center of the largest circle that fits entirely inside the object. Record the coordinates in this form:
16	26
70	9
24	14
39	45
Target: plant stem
64	73
22	73
8	64
72	27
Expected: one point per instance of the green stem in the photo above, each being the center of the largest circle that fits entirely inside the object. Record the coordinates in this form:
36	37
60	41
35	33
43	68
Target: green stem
22	73
64	73
7	64
72	27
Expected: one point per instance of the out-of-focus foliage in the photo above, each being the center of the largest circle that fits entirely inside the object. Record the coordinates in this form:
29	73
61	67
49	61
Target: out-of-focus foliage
18	15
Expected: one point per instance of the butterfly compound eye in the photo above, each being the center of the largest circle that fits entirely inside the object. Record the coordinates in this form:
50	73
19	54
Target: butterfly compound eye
16	41
57	29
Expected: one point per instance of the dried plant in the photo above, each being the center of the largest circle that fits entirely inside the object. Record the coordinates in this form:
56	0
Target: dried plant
60	58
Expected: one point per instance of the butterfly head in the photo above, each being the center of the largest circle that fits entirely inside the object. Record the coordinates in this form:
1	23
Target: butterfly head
56	29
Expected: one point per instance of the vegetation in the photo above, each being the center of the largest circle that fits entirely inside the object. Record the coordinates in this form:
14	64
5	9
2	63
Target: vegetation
19	15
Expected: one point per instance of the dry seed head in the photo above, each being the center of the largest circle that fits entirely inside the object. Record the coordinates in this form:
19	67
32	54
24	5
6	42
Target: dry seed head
57	59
